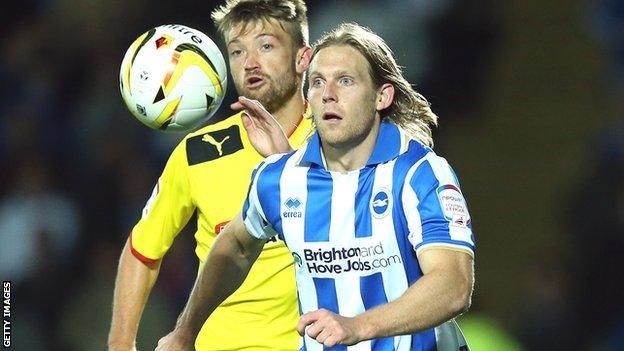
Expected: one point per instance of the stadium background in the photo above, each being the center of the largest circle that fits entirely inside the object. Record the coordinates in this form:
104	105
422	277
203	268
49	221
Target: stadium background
530	96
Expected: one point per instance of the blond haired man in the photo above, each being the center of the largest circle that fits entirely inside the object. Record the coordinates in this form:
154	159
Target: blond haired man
267	43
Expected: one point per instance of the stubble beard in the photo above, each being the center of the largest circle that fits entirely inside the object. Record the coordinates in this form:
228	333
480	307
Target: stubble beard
276	92
345	136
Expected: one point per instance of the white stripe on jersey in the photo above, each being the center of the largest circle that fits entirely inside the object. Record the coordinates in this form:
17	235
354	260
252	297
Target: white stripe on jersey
410	207
342	221
293	185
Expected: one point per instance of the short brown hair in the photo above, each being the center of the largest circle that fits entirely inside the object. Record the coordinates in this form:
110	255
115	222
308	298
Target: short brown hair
410	109
291	15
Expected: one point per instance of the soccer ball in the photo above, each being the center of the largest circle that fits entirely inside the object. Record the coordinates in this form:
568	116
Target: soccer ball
173	78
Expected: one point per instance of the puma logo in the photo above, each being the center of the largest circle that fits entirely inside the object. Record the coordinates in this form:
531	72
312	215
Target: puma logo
212	145
207	138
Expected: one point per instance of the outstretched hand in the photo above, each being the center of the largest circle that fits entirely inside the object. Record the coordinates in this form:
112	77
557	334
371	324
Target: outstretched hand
265	133
329	328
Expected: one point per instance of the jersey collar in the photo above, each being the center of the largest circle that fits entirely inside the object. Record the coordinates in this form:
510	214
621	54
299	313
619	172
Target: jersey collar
390	143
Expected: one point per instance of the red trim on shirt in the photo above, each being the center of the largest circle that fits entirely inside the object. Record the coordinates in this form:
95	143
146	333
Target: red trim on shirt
305	109
138	255
219	227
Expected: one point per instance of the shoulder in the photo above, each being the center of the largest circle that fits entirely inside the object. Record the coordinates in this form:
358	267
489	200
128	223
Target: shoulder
214	141
424	169
421	161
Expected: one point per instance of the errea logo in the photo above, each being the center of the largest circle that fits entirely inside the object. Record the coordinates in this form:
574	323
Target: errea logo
292	203
292	208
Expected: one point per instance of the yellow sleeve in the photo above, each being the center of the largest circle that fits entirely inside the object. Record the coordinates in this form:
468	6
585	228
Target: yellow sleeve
167	210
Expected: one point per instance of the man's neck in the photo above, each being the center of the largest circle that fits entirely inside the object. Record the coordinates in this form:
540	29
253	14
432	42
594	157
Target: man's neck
350	156
289	114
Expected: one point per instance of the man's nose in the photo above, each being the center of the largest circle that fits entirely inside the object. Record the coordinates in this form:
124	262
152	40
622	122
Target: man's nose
329	93
251	61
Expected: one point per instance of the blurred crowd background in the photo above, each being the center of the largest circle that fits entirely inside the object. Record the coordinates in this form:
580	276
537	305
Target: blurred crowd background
530	96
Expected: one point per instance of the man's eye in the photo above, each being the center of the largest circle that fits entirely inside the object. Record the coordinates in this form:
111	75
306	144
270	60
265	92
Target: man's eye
317	82
346	80
267	47
236	52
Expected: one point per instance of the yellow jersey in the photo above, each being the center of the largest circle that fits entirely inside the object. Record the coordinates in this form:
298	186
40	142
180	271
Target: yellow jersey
210	170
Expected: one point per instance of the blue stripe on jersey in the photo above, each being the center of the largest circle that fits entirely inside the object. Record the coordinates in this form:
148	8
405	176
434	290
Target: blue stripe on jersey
387	144
327	298
373	294
435	227
415	152
268	185
320	188
253	176
363	221
425	340
372	290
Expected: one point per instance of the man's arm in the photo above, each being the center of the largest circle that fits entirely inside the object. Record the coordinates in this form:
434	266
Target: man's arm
232	255
443	292
133	285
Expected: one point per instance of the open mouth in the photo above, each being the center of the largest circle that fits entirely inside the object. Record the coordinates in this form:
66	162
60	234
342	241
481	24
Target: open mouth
329	116
253	82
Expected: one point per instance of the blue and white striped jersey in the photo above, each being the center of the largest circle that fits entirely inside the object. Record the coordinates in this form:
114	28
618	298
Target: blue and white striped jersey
354	236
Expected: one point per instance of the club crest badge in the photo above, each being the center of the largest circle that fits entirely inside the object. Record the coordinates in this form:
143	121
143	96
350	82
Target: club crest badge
381	203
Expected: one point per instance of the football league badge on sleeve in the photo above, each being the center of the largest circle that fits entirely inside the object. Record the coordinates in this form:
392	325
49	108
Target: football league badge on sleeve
453	205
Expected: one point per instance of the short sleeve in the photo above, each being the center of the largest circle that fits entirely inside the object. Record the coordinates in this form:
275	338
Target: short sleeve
435	208
253	216
166	212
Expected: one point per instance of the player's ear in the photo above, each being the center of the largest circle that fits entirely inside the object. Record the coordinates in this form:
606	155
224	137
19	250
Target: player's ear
303	59
385	96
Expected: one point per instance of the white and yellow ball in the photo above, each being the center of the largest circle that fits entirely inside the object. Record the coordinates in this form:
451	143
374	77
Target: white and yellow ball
173	78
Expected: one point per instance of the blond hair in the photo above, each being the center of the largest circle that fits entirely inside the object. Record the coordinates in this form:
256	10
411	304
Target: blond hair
409	110
290	14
